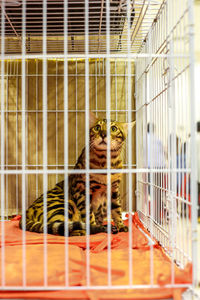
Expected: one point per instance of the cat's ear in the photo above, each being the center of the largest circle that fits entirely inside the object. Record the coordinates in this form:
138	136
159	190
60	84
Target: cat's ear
93	119
125	126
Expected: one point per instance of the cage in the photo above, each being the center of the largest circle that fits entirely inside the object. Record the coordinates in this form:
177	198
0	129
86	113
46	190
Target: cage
124	60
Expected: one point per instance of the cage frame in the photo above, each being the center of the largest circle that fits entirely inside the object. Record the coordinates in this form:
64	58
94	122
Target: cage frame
87	55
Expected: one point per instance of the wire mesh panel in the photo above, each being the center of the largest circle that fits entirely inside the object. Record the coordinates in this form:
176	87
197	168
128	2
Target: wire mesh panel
165	108
55	118
141	15
123	61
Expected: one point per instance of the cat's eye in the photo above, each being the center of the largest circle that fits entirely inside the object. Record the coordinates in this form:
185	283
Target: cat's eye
97	127
113	128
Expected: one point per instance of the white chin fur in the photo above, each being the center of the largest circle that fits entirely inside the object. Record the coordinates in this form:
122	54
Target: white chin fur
98	145
101	147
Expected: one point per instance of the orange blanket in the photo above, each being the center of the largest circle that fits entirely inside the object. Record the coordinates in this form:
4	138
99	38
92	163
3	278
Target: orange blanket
141	255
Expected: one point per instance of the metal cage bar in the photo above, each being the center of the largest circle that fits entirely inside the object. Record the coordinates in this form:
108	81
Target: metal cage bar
101	45
170	86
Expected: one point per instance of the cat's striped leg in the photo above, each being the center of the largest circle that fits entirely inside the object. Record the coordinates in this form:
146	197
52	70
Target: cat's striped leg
94	228
116	210
31	225
99	216
81	206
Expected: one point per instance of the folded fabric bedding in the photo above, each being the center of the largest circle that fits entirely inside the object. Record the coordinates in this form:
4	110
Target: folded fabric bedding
77	266
98	242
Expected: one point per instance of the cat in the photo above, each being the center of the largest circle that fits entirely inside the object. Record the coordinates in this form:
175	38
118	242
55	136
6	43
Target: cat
77	188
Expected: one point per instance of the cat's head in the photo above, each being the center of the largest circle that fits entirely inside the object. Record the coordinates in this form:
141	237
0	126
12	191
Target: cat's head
98	133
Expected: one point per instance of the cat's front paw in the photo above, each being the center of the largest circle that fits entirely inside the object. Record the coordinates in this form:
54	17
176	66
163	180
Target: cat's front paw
123	229
114	229
78	233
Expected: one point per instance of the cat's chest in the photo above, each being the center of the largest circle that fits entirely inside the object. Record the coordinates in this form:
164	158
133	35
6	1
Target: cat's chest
98	199
99	196
103	178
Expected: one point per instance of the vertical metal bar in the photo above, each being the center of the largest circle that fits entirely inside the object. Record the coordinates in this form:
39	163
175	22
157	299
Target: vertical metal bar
161	162
2	147
57	161
26	131
23	82
187	119
179	173
150	145
160	152
96	88
183	164
87	163
126	104
163	155
153	143
165	128
130	186
16	137
66	146
145	85
184	156
100	63
116	108
7	135
126	94
45	149
156	158
161	159
76	111
181	244
36	142
168	99
172	137
108	136
193	179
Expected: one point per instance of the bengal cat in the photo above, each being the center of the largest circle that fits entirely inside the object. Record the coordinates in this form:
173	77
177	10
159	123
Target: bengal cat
77	188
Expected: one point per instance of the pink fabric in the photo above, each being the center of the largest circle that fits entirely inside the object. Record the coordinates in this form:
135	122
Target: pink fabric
56	249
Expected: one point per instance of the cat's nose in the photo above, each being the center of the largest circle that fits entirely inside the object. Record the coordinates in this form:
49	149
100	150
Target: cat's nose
103	134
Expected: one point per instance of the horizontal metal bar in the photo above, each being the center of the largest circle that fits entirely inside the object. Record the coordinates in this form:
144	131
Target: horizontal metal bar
60	19
69	75
92	38
100	55
93	171
181	199
98	287
70	110
49	2
40	165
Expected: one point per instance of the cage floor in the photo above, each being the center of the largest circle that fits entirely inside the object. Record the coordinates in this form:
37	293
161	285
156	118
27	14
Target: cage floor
141	265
